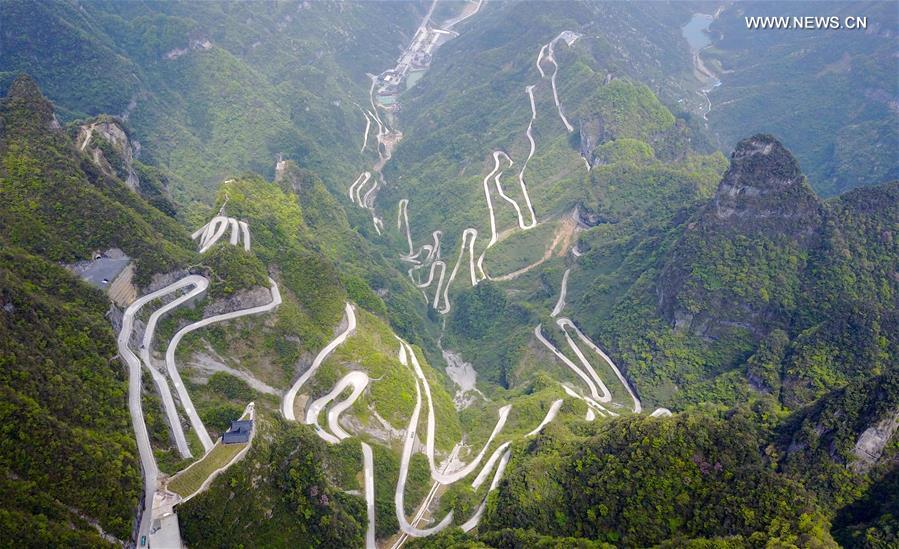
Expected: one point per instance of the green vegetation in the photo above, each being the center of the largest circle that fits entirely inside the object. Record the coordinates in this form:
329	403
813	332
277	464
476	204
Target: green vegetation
641	481
231	269
210	91
63	401
60	206
191	479
217	418
230	387
764	314
279	495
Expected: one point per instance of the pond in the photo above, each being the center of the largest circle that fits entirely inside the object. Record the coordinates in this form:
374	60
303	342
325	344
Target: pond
413	77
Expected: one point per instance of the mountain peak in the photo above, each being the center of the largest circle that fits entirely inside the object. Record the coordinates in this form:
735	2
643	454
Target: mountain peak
24	93
764	185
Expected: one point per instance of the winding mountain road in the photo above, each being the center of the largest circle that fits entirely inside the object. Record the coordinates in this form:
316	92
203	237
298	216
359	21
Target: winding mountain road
200	284
172	367
211	232
469	236
549	50
289	398
145	450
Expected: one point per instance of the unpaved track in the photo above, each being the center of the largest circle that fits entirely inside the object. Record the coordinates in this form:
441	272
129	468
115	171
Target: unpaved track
172	367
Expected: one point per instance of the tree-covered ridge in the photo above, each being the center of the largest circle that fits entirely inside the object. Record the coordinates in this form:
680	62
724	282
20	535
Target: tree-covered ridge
67	446
210	89
55	203
641	481
288	492
765	289
818	444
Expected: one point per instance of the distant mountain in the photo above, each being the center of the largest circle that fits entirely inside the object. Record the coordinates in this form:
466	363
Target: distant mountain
830	95
210	89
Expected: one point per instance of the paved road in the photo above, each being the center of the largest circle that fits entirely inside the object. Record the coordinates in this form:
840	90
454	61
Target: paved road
561	303
549	49
591	385
172	367
355	379
436	474
358	184
566	323
469	236
533	144
358	381
199	284
472	523
145	451
369	472
367	128
408	443
495	173
550	415
211	232
287	404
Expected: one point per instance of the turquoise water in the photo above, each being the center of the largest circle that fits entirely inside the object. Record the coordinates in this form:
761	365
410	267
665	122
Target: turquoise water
694	31
413	77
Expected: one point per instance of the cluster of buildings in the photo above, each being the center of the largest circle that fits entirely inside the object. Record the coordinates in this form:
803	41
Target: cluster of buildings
415	59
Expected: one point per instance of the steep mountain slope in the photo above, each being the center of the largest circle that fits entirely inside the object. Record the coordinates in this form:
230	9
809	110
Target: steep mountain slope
57	204
754	290
211	89
64	392
569	251
63	403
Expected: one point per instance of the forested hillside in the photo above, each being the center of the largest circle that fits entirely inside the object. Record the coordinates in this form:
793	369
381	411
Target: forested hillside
480	274
830	95
211	88
59	205
64	388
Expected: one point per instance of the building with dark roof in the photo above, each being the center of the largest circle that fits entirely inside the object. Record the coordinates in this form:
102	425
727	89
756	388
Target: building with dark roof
239	432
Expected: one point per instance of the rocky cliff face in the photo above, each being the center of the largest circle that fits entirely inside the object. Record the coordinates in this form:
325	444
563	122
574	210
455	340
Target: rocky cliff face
592	131
764	191
110	149
739	261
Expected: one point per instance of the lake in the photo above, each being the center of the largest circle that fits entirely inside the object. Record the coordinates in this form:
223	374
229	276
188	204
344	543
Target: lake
694	31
